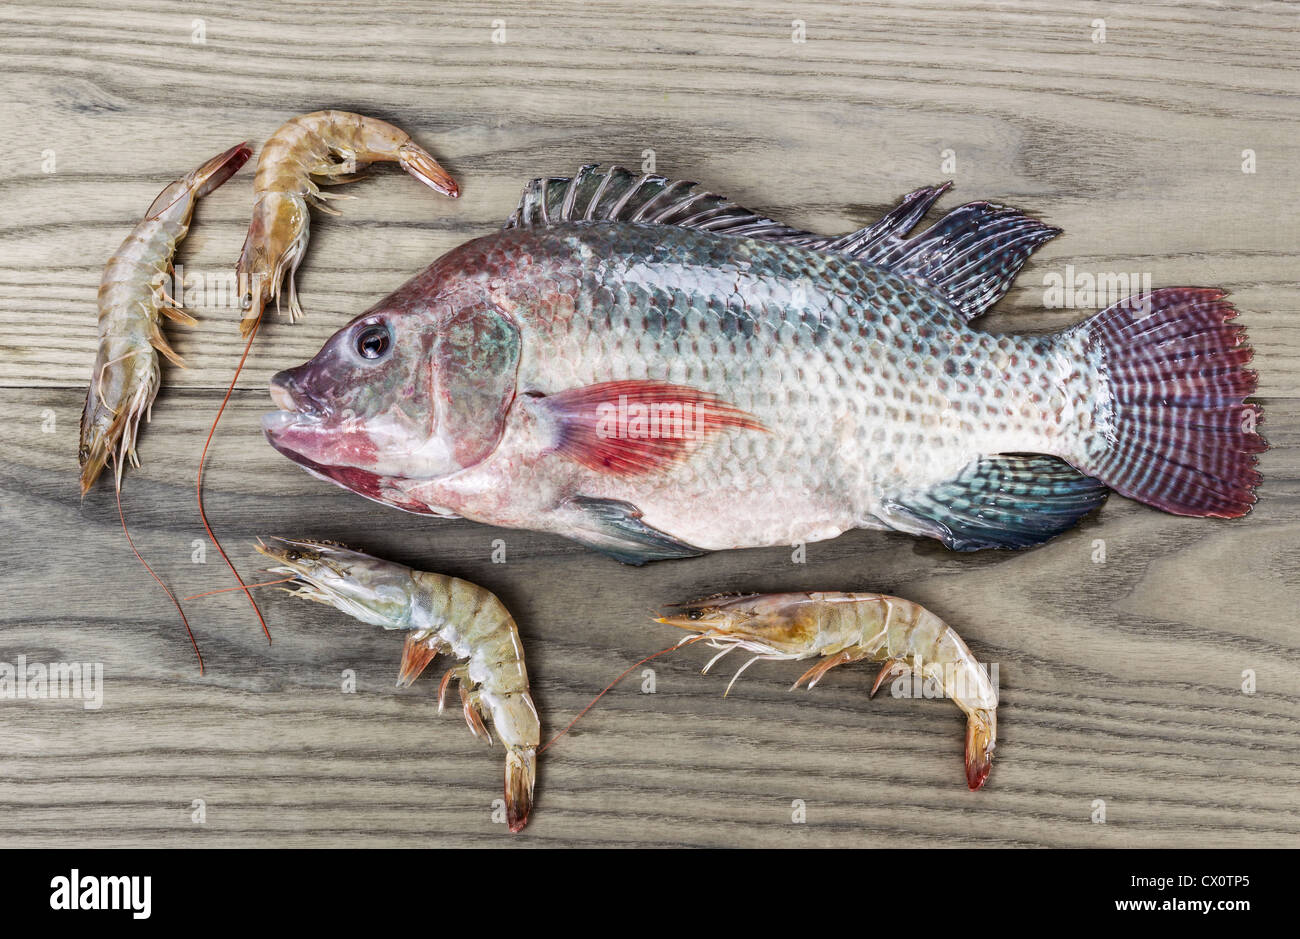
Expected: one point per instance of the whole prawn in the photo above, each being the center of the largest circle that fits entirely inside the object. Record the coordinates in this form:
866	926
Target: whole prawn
132	303
330	146
440	614
847	627
127	372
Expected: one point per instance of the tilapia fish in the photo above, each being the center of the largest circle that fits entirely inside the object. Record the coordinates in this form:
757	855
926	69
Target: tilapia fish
656	372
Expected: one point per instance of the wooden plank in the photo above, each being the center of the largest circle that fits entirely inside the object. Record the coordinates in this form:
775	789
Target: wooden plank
1121	680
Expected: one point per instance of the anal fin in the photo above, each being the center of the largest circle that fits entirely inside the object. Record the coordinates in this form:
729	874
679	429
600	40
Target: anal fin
615	528
1008	501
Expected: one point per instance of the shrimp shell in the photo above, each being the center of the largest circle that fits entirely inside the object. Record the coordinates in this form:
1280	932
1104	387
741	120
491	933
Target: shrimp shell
329	145
127	373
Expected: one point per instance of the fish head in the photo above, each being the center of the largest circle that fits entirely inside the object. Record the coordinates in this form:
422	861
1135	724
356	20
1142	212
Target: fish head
406	391
367	588
766	623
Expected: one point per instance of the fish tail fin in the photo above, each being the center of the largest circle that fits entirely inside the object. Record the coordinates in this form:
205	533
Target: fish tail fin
1175	430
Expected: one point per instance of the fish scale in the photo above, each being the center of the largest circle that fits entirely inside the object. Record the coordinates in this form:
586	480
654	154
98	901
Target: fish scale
831	383
808	342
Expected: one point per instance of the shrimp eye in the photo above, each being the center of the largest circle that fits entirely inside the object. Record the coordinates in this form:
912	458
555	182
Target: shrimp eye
292	556
694	614
373	341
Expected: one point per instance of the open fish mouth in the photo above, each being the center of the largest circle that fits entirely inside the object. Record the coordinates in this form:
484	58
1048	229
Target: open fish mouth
293	411
289	395
278	428
277	421
282	397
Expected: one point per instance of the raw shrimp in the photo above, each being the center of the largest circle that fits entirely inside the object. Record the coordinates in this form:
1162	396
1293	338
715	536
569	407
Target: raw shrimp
439	614
329	145
847	627
132	304
131	307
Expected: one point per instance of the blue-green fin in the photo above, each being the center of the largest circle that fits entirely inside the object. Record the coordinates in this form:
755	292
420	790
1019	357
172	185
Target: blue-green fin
614	527
1009	501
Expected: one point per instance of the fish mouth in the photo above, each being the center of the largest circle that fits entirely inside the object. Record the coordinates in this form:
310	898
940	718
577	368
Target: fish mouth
288	394
279	421
278	427
282	397
296	411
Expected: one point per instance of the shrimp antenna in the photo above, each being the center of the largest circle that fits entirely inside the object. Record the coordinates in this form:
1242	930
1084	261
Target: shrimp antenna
265	583
167	590
672	648
198	485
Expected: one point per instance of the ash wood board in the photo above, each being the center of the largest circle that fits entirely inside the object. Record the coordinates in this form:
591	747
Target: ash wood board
1121	681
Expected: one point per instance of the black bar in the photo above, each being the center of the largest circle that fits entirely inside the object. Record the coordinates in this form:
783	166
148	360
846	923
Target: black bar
518	888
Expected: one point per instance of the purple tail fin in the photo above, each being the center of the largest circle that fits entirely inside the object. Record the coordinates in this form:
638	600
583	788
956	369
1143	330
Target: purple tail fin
1181	436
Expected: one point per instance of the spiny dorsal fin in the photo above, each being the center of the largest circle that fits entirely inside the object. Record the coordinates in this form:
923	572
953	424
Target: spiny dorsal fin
970	256
617	195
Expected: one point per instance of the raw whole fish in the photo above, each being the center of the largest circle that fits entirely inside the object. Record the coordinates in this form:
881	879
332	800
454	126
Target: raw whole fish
656	372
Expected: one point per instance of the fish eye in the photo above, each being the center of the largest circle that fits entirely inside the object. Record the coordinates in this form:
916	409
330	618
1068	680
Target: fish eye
373	341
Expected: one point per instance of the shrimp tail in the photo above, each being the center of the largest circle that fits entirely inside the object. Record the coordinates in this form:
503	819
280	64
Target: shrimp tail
521	773
981	736
419	163
212	174
203	181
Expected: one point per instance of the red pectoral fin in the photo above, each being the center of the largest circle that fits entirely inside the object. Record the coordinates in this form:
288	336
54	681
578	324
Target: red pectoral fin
634	427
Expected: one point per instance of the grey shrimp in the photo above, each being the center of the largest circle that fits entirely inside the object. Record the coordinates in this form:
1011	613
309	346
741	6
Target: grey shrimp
440	614
127	371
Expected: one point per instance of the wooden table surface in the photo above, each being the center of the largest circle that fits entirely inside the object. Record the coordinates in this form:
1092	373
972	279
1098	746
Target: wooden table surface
1122	681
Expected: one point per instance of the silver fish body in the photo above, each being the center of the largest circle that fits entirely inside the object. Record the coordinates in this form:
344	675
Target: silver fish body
656	382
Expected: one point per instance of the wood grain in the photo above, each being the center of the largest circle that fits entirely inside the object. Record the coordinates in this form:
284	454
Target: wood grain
1121	680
